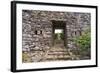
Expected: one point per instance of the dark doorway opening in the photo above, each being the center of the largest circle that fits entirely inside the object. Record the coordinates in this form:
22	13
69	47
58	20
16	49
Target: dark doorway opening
59	33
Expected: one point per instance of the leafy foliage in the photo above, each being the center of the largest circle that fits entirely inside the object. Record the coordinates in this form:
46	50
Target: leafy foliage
60	34
84	43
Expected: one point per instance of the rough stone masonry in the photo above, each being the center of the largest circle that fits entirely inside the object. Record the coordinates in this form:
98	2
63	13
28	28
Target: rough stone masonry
37	29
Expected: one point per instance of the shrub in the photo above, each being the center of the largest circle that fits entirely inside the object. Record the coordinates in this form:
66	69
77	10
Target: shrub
84	43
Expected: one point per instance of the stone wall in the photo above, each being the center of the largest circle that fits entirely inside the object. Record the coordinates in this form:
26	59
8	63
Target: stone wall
37	28
76	24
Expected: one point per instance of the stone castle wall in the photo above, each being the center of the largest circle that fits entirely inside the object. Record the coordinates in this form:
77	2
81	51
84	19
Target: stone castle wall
37	27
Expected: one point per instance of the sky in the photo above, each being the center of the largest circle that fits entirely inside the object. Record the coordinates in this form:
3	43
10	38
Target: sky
58	30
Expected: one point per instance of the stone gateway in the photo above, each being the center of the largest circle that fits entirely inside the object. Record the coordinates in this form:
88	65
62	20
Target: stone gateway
38	34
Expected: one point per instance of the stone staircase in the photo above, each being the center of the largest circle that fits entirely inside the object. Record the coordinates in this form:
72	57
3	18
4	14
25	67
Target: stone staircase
59	52
56	53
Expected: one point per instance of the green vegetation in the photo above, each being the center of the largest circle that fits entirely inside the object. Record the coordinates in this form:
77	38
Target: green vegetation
62	36
25	57
84	43
59	35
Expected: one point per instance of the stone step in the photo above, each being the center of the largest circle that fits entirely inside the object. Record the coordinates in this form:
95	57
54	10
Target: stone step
58	56
58	53
61	57
58	59
58	49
